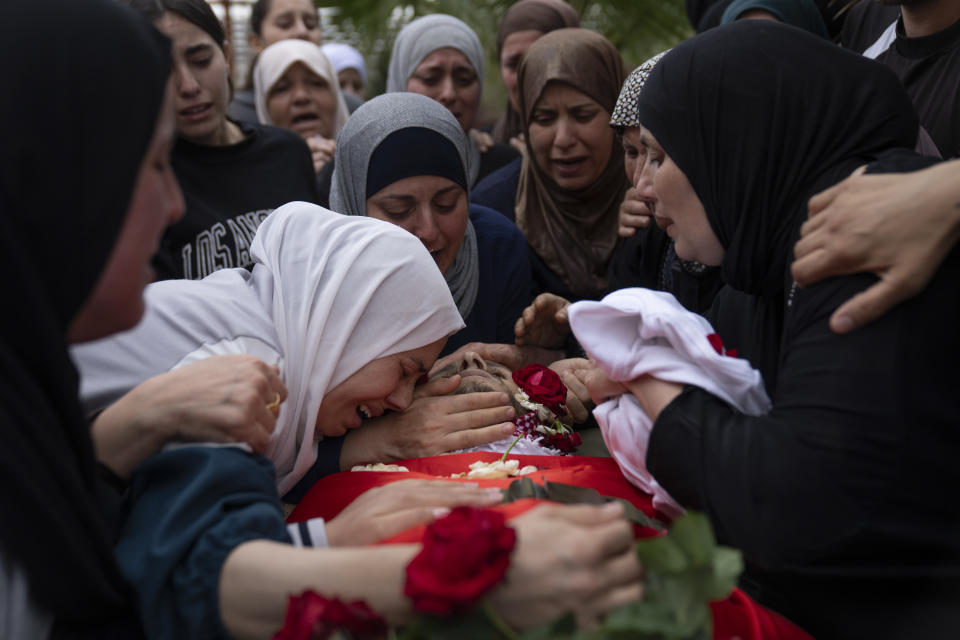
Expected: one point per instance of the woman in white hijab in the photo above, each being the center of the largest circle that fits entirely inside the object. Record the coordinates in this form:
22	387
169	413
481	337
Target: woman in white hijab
296	87
316	305
441	57
352	311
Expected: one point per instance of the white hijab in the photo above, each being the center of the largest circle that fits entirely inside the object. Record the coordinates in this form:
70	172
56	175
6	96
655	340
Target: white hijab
327	295
277	58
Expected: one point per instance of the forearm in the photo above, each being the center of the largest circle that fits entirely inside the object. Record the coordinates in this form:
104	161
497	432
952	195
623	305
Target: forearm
123	436
363	446
258	578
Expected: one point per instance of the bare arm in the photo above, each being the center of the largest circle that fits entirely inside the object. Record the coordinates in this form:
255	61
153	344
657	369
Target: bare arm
588	568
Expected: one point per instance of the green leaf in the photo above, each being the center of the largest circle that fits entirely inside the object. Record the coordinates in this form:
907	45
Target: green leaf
694	536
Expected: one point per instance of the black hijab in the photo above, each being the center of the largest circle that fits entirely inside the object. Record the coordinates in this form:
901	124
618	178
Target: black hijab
760	116
84	85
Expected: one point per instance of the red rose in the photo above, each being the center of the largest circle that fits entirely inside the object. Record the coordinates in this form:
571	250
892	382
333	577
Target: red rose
564	443
542	385
464	555
311	616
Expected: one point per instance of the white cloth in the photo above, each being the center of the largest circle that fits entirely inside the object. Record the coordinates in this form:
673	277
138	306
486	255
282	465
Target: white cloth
327	295
277	58
343	56
633	332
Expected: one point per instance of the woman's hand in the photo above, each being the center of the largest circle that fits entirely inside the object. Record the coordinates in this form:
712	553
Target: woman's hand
218	399
579	401
434	423
577	558
588	381
634	214
544	323
385	511
519	142
482	139
897	226
322	150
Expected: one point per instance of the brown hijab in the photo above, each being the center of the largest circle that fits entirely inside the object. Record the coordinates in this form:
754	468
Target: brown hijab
574	232
528	15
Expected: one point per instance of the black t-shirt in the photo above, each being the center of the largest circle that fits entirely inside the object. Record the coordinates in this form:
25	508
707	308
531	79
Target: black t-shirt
228	192
928	67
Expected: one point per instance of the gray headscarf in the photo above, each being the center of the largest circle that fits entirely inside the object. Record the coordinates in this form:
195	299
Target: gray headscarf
422	37
370	125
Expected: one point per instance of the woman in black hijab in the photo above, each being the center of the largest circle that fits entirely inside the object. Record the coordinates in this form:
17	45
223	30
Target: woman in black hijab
84	164
842	499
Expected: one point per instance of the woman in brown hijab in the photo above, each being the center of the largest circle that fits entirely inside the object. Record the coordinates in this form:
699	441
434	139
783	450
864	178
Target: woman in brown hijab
521	26
566	191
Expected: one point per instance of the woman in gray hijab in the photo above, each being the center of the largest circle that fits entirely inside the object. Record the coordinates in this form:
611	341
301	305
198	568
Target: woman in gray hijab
441	57
405	159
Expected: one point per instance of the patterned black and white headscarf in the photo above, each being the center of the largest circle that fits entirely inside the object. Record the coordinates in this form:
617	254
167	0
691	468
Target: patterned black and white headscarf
625	111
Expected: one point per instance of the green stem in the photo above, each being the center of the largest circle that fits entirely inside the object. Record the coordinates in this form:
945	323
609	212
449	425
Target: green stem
499	624
503	458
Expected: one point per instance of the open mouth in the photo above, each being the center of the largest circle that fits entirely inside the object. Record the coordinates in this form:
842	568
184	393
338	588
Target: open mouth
364	412
196	112
568	166
305	118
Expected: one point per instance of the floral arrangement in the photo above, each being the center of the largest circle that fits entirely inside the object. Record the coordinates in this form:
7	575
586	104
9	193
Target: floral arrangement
544	395
467	553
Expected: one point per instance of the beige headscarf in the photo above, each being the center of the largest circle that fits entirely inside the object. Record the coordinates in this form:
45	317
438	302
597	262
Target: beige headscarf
274	62
574	232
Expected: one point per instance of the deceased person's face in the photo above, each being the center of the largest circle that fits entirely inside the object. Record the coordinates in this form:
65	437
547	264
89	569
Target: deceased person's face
477	374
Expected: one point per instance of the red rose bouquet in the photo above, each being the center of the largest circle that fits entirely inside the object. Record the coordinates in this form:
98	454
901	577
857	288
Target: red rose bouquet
545	395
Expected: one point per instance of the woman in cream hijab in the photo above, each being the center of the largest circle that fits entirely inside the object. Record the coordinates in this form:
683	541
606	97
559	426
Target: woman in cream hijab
296	88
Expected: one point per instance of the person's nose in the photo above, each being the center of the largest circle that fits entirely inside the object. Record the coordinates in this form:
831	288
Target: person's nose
448	93
299	30
402	396
426	227
300	93
565	137
643	182
472	360
187	85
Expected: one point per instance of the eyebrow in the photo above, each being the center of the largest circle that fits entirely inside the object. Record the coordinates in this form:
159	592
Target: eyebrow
397	196
197	48
446	190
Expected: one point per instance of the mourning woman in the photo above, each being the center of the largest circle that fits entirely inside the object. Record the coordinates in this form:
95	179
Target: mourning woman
296	88
521	25
404	159
646	257
57	570
232	174
842	497
565	193
440	56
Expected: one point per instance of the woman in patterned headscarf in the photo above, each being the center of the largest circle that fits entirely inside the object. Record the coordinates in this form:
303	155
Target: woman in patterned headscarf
645	255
